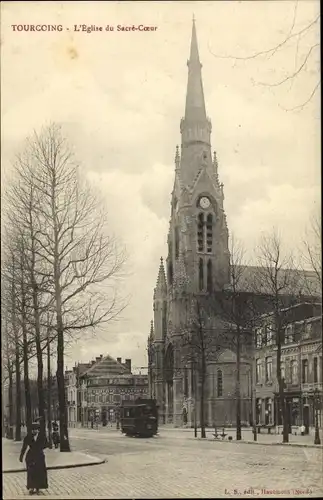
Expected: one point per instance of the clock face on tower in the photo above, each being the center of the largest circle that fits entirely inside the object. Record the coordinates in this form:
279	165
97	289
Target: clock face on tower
204	202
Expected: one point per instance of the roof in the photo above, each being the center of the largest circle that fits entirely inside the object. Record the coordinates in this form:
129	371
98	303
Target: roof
107	366
292	281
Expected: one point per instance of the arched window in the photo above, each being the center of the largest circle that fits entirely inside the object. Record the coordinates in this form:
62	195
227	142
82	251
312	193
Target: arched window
200	233
209	276
201	275
176	243
185	382
170	272
219	384
209	233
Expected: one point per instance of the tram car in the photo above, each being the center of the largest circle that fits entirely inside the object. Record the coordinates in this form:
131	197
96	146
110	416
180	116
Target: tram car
139	417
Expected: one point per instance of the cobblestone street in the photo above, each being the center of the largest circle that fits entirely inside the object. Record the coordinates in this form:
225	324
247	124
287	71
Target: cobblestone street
164	468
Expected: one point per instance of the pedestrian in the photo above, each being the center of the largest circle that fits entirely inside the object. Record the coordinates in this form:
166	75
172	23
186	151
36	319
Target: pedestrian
35	459
56	438
302	429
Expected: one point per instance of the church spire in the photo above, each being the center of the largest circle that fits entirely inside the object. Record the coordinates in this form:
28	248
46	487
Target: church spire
161	287
195	105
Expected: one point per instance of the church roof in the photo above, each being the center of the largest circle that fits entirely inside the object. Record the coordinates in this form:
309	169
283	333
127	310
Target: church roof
195	104
291	281
106	366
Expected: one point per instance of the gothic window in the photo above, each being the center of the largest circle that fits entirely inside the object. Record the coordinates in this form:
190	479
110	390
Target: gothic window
209	233
219	384
192	380
209	276
176	243
185	383
170	272
164	320
201	276
200	233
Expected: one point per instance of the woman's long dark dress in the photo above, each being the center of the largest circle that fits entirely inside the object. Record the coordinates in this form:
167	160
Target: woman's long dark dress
35	462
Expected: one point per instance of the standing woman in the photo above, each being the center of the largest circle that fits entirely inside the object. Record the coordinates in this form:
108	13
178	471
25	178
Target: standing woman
35	460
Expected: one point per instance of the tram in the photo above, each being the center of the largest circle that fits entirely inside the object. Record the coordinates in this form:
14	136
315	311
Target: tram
139	417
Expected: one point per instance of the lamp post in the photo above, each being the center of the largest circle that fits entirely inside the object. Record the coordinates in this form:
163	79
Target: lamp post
317	401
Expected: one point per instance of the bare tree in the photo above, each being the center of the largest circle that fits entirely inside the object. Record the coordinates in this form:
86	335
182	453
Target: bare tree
277	280
70	249
237	309
199	345
21	202
8	367
304	41
312	256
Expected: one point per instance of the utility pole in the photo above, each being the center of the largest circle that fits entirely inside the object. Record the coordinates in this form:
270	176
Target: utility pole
317	439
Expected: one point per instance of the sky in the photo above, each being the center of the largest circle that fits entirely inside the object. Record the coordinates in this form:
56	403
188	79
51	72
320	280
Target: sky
120	95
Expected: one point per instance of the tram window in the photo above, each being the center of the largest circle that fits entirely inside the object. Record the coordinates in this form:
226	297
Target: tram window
147	410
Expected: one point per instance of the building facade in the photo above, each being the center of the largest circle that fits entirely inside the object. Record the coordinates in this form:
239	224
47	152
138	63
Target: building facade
301	368
95	390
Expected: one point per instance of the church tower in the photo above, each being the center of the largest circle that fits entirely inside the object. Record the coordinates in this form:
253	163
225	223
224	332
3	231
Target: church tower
198	234
198	256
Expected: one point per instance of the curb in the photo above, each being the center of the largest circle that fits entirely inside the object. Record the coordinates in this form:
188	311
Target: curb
298	445
55	467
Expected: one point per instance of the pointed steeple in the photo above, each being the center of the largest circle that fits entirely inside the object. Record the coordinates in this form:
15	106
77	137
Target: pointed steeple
181	279
177	158
216	166
151	333
195	105
161	287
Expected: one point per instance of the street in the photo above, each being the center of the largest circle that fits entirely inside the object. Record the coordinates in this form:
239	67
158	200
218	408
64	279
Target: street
175	465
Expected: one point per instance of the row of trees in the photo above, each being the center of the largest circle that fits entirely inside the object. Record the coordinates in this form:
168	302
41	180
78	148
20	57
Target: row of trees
270	287
60	267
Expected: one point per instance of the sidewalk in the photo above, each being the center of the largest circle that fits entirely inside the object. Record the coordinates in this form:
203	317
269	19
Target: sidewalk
54	459
246	434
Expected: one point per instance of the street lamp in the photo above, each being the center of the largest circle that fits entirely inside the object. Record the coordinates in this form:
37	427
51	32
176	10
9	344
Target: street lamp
317	402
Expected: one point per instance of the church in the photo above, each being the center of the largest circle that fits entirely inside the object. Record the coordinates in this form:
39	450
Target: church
198	261
197	268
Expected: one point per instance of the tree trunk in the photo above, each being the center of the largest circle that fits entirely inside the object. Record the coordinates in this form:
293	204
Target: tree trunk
64	442
28	415
10	397
17	354
49	396
238	394
203	373
282	399
18	394
26	372
39	355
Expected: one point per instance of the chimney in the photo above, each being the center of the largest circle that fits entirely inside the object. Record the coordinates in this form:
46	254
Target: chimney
128	364
119	360
101	356
92	362
97	359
